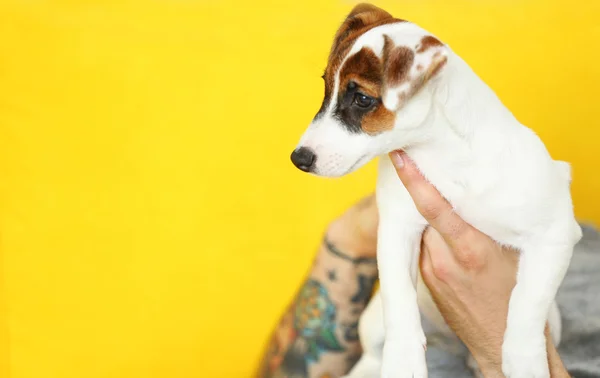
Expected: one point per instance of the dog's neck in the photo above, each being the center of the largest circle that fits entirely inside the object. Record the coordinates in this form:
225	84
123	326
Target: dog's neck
463	109
466	126
466	105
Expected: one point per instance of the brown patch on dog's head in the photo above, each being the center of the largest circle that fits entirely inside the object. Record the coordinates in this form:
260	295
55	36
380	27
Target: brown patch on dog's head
361	76
437	64
365	77
364	69
378	121
361	19
398	62
372	72
362	16
428	42
406	71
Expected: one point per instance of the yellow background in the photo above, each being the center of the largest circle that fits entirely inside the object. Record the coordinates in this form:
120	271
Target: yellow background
151	224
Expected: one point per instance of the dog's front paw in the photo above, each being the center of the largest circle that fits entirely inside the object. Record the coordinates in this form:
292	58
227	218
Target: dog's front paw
404	359
524	357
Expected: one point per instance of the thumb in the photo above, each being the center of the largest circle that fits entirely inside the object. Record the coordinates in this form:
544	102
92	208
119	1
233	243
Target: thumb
429	202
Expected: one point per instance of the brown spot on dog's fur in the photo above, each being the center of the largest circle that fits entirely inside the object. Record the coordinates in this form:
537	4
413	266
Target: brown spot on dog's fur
364	68
398	61
437	66
371	74
366	7
431	71
428	42
361	19
378	121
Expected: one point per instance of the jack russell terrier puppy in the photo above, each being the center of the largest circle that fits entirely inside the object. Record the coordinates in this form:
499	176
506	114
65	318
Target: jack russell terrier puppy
391	85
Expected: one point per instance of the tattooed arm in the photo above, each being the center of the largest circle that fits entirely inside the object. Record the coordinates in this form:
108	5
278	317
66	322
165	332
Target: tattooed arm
317	337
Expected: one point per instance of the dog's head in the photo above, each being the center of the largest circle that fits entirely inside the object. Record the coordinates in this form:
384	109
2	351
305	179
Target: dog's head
375	92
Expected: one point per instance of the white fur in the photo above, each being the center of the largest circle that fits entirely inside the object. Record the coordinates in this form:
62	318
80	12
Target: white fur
499	177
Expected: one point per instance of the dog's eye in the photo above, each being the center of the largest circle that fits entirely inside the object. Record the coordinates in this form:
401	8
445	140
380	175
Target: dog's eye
362	100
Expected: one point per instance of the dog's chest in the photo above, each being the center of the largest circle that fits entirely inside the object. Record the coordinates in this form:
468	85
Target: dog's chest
478	197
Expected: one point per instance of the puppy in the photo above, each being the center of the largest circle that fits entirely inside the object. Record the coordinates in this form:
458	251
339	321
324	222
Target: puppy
391	85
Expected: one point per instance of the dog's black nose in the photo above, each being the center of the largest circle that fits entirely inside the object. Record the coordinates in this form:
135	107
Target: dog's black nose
304	158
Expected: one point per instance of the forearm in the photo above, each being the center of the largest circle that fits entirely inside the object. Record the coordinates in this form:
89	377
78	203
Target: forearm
317	337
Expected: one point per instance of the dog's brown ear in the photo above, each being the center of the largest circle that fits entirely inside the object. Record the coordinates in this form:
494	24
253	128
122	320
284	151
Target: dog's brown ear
362	15
369	10
406	69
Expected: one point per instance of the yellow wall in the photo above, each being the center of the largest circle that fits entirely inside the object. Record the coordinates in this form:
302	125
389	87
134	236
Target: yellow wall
151	224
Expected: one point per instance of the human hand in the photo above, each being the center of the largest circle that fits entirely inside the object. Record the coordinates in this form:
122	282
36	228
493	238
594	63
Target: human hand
470	276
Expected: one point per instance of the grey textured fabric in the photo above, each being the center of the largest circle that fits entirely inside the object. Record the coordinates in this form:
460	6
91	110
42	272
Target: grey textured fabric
579	302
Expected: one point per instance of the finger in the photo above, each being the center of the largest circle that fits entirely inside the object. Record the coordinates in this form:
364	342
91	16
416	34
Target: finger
429	202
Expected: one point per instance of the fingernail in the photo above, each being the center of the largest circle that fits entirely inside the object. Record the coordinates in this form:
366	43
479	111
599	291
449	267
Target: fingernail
396	157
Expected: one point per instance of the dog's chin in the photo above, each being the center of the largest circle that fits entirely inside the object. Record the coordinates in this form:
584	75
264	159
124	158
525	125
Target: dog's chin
339	171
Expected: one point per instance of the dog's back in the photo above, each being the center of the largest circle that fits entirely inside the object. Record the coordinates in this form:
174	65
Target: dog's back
496	172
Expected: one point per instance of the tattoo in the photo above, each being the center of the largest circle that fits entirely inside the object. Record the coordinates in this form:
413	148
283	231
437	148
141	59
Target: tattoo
315	320
313	327
361	260
331	275
294	360
312	333
365	288
351	332
281	341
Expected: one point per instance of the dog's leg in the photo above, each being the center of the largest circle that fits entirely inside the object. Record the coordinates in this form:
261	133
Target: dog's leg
372	331
398	248
542	267
554	322
404	348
